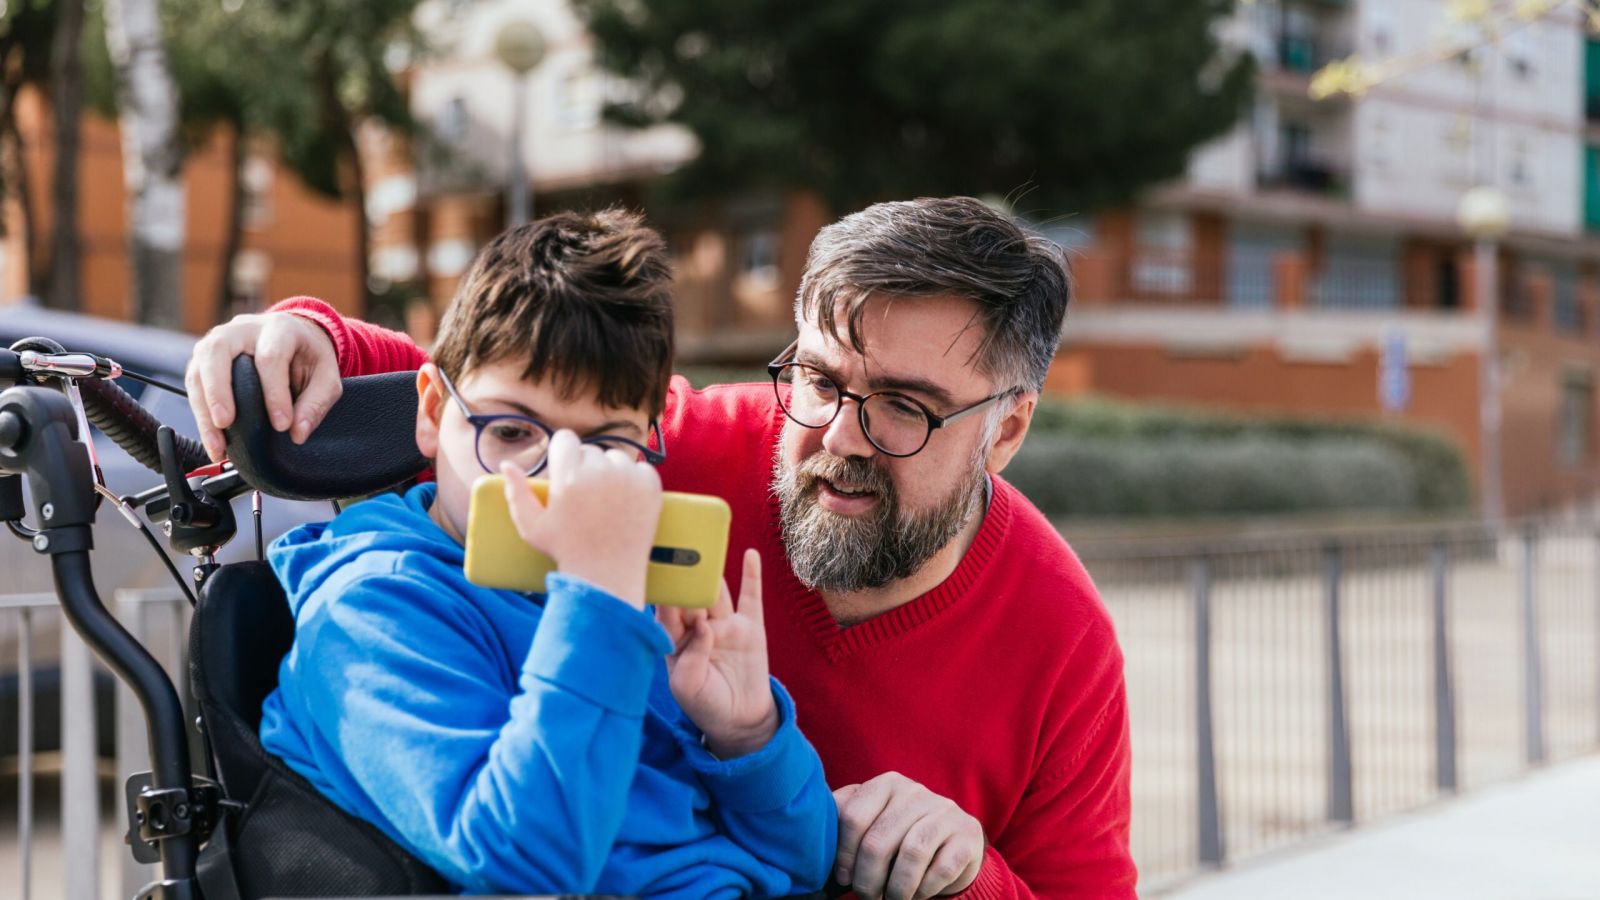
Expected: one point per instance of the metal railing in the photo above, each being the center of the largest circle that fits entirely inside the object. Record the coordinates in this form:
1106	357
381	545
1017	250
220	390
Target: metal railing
1282	687
1278	688
58	847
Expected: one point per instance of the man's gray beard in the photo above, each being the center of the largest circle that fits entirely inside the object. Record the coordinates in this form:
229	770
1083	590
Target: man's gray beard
840	554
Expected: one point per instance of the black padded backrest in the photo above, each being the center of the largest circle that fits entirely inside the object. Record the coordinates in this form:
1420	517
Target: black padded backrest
241	630
289	841
366	444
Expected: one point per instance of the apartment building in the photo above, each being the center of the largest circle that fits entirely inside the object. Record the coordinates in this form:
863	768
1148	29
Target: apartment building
1312	262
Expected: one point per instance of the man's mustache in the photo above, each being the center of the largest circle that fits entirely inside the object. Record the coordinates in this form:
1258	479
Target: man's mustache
858	472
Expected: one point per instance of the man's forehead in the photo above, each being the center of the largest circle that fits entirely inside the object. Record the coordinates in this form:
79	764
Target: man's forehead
891	324
905	343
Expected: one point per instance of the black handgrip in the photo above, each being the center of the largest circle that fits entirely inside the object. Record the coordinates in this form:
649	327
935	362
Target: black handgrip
120	417
367	443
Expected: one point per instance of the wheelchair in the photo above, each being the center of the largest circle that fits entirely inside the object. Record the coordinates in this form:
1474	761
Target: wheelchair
249	826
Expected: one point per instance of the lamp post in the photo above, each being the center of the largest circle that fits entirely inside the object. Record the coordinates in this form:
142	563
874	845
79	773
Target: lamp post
520	47
1485	216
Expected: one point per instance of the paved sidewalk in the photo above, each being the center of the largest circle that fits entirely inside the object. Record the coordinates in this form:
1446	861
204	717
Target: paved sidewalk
1537	838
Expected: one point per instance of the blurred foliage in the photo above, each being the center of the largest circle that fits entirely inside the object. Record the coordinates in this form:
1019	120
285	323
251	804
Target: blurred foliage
1099	458
1075	103
298	72
1255	475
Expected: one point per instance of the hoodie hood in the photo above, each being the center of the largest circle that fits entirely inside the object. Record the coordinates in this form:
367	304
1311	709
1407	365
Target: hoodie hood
382	527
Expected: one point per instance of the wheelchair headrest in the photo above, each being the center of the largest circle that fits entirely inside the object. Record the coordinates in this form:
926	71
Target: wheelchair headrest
366	444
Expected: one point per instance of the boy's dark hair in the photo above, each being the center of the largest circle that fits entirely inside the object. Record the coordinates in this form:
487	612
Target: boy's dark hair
584	298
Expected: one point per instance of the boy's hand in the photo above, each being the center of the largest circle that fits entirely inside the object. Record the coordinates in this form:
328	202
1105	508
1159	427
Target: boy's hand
601	518
297	364
719	672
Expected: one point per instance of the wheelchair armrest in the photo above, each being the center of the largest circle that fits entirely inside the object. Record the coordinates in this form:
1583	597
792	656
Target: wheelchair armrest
366	444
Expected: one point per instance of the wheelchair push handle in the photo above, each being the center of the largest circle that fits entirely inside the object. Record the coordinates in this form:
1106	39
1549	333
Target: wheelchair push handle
106	405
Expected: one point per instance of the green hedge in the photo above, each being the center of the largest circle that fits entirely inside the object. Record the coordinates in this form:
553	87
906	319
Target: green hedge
1099	458
1103	459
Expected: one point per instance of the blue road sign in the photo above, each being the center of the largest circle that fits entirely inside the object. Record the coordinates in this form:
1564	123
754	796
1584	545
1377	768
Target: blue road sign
1394	373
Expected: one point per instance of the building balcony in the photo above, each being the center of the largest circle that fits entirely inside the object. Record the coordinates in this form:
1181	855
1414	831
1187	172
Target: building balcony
1296	282
1306	175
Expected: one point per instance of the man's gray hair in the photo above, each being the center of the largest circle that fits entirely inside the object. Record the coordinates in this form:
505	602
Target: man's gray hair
954	245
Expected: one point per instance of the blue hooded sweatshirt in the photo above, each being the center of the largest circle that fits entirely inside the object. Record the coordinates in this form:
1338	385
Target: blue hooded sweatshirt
518	742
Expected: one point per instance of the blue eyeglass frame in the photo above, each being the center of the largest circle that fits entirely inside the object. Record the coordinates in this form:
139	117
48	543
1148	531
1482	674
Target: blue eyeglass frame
480	422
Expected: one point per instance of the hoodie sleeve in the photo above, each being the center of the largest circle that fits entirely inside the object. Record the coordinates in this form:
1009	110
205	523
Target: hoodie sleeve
775	802
361	347
500	786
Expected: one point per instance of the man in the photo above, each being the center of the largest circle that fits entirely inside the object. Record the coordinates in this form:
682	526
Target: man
947	653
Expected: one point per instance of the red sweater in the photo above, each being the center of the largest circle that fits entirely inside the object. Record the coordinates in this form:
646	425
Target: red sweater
1000	689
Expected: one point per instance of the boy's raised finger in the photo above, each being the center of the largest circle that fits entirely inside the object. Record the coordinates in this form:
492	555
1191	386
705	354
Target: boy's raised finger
750	587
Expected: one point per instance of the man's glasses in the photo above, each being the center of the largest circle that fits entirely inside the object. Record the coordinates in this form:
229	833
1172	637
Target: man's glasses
526	442
897	425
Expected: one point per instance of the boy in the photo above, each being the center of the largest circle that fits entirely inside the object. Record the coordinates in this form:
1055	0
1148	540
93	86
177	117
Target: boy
538	744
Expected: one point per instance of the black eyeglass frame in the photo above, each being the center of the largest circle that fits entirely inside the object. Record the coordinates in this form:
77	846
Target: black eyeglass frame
785	360
480	422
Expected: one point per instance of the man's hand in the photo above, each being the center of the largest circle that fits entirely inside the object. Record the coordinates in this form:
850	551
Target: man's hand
899	840
601	516
719	672
297	364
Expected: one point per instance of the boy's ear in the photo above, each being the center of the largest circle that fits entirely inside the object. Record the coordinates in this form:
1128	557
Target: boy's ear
430	403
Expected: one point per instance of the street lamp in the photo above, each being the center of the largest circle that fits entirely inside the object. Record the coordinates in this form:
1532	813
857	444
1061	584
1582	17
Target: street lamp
520	47
1485	217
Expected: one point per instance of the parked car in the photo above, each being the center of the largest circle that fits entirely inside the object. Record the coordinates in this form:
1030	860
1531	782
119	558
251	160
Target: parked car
122	558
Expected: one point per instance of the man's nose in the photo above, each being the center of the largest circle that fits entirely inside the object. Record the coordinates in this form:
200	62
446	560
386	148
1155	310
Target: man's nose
844	437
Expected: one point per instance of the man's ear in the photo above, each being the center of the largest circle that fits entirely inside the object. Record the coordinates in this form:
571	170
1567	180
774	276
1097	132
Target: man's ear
1013	428
430	407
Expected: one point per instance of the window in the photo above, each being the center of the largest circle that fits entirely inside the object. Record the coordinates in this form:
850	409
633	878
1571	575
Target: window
257	177
758	258
1520	173
1161	263
1574	443
1521	51
578	95
452	121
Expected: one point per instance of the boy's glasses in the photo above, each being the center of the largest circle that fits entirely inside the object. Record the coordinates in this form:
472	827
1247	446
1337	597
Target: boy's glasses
526	442
897	425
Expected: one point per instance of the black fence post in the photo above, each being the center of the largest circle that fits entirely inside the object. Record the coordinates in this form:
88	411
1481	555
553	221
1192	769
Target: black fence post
1212	850
1341	793
1532	657
1444	698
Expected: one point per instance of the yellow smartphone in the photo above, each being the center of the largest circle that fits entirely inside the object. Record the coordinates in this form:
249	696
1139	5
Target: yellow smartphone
685	567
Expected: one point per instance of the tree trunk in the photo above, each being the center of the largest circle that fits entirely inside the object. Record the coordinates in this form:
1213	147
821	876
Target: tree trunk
30	225
64	287
152	159
14	168
339	121
234	239
358	188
